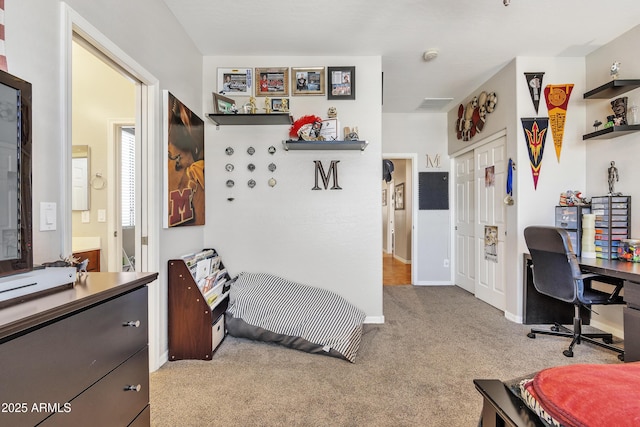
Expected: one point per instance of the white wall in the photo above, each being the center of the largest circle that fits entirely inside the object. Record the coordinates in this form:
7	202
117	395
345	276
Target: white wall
325	238
146	31
532	206
624	150
424	134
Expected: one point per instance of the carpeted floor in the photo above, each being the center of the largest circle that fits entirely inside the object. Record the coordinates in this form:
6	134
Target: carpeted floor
414	370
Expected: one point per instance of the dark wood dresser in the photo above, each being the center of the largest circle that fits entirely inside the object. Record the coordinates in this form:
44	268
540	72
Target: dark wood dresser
79	356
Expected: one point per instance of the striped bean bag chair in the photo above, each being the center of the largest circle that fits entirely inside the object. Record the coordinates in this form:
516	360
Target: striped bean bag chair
268	308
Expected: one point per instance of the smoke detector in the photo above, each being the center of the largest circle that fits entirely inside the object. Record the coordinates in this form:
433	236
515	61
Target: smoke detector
430	55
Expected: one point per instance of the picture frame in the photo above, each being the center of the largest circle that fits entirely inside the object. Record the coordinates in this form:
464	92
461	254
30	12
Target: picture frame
280	105
183	140
235	81
272	81
223	104
308	81
341	83
399	197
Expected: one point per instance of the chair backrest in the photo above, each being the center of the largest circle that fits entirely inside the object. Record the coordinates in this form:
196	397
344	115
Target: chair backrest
555	266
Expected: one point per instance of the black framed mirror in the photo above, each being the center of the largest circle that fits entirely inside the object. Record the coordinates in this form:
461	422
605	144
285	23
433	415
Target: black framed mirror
16	252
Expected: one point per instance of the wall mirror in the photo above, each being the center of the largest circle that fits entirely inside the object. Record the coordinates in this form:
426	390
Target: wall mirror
80	172
15	175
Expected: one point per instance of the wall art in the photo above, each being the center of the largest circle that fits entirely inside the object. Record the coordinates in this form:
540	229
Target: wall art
235	81
308	81
184	173
341	83
557	97
535	133
272	81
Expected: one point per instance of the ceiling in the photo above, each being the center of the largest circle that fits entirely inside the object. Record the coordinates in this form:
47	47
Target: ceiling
474	38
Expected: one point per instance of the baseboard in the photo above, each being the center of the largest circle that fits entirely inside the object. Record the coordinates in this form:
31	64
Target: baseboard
433	283
374	319
513	317
402	260
604	327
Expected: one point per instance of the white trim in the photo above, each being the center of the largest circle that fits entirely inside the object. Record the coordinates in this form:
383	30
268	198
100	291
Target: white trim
512	317
148	117
414	211
402	260
434	283
374	319
479	143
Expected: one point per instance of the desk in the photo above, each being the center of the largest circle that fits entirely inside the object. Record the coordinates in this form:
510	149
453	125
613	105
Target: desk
627	271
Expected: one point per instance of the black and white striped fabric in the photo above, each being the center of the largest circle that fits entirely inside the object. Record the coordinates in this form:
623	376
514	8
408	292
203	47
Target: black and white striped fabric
288	309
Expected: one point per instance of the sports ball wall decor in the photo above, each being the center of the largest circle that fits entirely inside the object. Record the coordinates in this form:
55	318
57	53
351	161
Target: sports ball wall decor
472	118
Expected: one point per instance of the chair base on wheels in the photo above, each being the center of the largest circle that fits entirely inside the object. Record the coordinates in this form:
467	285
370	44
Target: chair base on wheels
577	337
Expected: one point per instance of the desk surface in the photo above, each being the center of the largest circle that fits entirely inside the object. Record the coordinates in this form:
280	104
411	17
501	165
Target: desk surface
613	268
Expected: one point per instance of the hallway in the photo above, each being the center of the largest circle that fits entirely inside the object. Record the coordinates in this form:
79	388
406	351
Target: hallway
395	272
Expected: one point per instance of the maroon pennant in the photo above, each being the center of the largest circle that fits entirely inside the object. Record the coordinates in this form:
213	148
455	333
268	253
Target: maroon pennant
3	57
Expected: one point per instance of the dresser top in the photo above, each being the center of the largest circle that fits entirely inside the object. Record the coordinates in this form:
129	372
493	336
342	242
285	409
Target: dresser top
89	289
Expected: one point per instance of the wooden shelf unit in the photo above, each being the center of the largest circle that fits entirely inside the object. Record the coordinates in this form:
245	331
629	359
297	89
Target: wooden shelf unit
193	323
252	119
325	145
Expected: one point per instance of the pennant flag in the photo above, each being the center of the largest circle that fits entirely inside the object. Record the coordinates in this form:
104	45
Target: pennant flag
534	83
535	132
557	97
3	57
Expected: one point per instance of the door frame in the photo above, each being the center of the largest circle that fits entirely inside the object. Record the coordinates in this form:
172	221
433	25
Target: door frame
147	122
414	211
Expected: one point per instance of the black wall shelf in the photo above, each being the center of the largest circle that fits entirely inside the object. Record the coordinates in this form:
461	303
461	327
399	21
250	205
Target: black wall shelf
252	119
612	89
325	145
611	132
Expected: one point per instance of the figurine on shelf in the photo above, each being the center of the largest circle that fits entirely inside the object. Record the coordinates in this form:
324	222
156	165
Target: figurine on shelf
619	107
615	70
332	113
267	105
350	134
285	105
596	124
612	178
252	105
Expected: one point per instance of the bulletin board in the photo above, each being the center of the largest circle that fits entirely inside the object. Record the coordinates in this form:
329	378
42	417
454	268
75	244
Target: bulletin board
433	191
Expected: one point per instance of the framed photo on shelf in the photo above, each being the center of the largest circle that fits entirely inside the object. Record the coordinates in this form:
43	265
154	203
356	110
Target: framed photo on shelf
272	81
235	81
342	83
308	81
280	105
222	104
399	197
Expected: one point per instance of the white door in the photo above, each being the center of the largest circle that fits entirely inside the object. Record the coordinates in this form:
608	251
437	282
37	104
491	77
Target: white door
491	175
465	261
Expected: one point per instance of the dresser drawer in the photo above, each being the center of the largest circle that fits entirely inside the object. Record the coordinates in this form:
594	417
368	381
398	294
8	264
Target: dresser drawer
55	363
110	402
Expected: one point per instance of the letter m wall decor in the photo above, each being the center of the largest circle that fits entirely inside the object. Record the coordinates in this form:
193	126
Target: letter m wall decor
332	173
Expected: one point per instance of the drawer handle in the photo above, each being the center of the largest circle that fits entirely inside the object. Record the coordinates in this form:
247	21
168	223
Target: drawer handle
133	388
135	324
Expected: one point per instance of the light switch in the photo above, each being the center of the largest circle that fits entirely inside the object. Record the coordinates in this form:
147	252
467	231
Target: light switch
47	216
102	215
86	217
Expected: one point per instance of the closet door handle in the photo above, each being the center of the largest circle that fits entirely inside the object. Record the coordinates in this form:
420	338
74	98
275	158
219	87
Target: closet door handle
136	387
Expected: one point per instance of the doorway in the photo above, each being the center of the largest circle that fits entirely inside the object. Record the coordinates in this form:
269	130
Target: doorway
147	102
101	91
399	221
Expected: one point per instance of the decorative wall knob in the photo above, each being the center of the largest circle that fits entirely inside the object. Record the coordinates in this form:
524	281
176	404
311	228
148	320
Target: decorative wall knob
135	324
137	387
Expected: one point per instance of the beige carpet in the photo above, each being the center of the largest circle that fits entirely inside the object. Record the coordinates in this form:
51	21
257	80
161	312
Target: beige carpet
414	370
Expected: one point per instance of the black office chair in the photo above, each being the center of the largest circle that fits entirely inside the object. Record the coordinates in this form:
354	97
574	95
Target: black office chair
556	273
